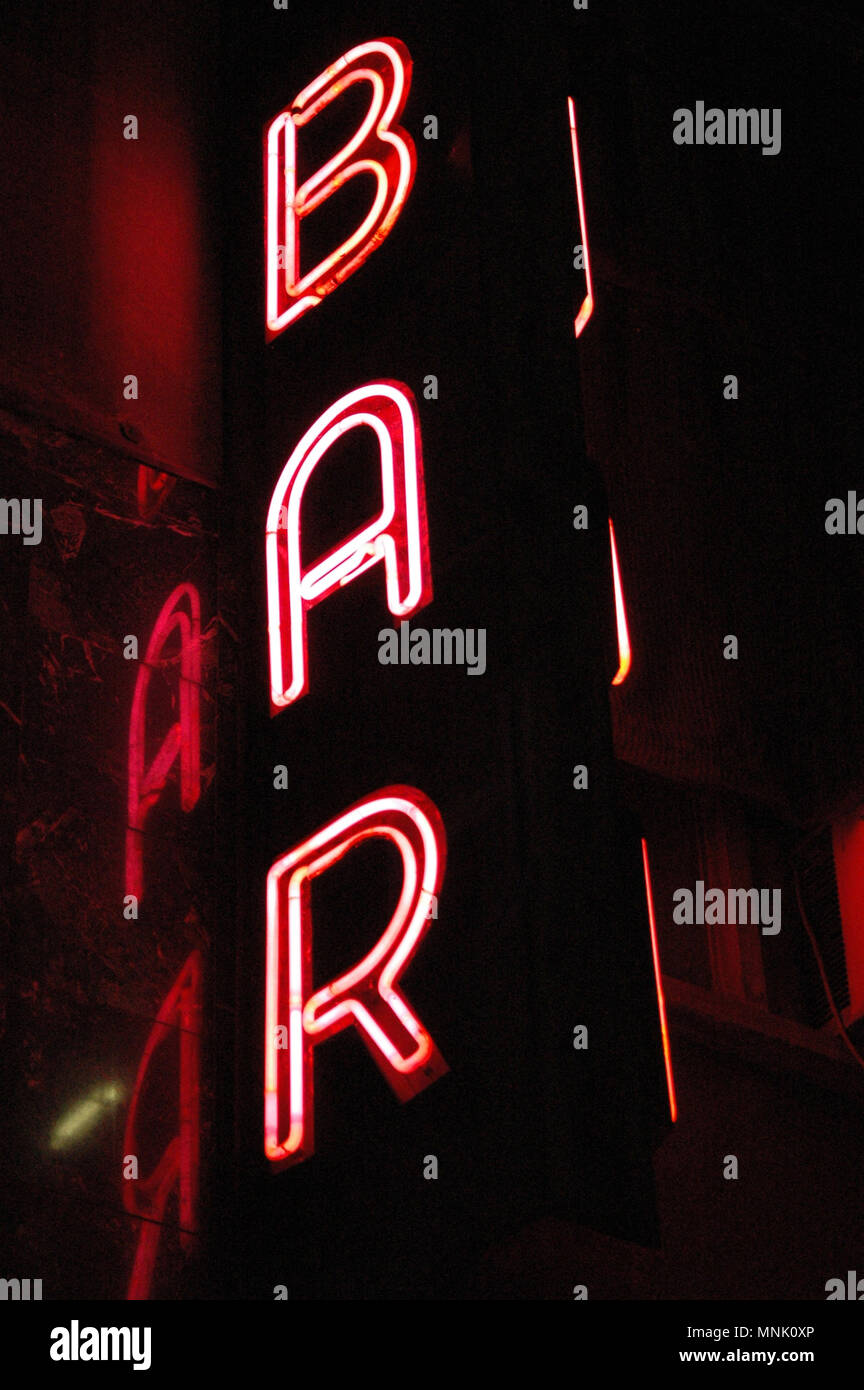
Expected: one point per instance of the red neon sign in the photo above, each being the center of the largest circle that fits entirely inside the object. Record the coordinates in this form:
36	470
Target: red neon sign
658	980
146	1198
183	739
587	306
397	536
378	146
620	615
366	997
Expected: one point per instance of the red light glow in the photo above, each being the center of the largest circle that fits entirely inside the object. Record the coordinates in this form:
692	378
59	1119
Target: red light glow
366	997
146	1198
620	615
398	536
587	307
377	146
152	488
658	979
183	739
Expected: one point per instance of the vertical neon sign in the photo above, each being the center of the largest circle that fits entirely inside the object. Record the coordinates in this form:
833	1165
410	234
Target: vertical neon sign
367	997
182	741
624	652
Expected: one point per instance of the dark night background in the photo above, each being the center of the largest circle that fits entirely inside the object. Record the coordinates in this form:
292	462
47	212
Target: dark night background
556	1167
